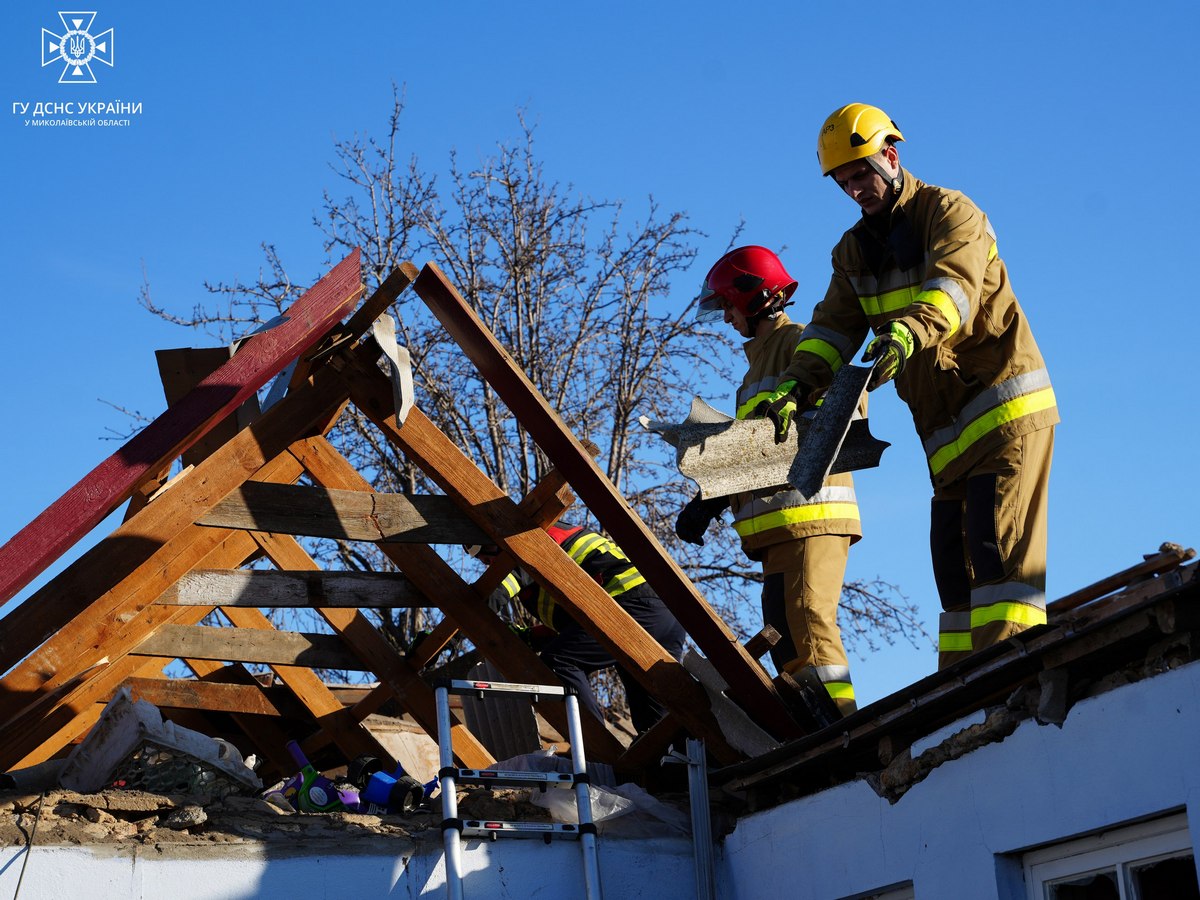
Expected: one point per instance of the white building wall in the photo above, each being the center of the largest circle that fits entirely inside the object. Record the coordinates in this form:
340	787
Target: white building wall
653	869
1130	753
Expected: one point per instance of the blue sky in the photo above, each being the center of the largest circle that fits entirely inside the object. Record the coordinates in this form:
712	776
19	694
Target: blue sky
1070	124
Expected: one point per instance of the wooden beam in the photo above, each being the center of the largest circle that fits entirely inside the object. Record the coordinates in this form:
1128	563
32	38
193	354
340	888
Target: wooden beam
387	293
388	665
347	515
180	370
136	563
187	693
351	737
427	649
106	632
274	589
283	648
1169	556
766	638
44	729
462	603
545	504
748	682
112	482
524	540
264	735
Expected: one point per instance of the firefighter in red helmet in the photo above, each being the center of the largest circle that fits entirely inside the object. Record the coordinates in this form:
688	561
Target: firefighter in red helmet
802	544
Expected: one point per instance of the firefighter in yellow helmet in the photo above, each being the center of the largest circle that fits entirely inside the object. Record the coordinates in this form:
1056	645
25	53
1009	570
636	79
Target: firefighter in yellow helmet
920	278
803	543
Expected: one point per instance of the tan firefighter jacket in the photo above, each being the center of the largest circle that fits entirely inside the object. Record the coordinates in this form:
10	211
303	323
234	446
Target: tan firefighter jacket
762	518
976	378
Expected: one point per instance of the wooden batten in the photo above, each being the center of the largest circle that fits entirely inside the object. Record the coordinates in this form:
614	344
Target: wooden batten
186	693
346	515
287	648
274	589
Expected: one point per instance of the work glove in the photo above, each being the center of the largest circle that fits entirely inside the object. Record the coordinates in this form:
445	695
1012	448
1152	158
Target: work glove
889	350
781	406
696	516
533	636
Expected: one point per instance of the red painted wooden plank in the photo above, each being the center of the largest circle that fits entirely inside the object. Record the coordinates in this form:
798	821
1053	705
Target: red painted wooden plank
112	482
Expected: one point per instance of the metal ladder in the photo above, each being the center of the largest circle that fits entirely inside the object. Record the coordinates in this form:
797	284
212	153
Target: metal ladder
454	828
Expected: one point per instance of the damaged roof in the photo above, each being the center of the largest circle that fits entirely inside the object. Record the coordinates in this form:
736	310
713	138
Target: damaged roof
1132	625
133	604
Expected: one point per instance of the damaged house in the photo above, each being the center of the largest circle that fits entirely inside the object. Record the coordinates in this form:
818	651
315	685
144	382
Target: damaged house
1056	765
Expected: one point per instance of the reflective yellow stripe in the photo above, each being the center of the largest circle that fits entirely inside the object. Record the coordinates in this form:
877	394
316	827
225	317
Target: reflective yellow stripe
890	301
990	421
744	411
545	607
511	586
809	513
954	642
586	546
941	300
1017	613
823	349
840	690
619	584
992	251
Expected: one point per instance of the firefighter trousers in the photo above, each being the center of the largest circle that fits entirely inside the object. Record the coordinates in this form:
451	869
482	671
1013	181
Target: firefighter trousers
802	584
987	537
573	654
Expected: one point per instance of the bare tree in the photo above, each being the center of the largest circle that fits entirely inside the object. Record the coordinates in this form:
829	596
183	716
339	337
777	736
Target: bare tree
579	293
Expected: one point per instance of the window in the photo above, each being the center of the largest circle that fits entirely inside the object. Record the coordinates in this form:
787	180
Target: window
1148	861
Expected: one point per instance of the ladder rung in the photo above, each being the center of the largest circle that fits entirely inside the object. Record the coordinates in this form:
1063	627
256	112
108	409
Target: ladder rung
483	828
505	687
510	777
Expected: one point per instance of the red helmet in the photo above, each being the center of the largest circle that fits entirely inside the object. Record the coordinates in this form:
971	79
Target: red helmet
751	279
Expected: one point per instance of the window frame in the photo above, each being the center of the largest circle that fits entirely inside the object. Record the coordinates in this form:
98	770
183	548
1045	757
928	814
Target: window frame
1117	848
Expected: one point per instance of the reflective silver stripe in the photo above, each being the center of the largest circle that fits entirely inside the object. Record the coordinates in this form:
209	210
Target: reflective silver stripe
792	499
1014	387
511	586
833	673
954	621
762	386
954	291
835	339
1011	592
749	399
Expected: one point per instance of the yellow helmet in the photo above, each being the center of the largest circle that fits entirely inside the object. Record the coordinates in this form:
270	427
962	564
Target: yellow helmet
855	131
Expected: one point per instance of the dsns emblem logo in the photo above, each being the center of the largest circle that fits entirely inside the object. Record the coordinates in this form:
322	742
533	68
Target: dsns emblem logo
77	48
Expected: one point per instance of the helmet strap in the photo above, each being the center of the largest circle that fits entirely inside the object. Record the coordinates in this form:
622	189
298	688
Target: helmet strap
773	307
896	181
